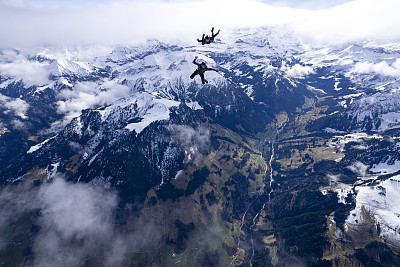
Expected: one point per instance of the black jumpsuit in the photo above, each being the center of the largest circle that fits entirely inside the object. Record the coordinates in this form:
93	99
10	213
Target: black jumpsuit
207	39
201	68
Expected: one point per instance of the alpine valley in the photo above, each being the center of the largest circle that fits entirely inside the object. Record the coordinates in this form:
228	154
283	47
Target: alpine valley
289	156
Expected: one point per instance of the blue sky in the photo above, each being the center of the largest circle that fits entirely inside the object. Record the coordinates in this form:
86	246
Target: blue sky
110	22
304	4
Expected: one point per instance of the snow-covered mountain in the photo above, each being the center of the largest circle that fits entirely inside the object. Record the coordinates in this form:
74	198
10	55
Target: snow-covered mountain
284	130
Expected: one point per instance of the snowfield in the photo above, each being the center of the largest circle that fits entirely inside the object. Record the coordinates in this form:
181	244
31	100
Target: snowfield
382	201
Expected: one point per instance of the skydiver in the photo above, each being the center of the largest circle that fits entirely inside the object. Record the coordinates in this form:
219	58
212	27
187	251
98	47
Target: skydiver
205	39
201	68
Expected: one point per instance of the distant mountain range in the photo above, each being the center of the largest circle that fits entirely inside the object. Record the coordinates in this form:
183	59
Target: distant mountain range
289	155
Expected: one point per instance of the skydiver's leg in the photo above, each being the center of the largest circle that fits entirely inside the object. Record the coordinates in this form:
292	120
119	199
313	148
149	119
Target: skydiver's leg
193	74
202	78
204	40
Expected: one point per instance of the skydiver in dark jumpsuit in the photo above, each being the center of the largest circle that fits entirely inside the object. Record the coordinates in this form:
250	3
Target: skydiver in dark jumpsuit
208	39
201	68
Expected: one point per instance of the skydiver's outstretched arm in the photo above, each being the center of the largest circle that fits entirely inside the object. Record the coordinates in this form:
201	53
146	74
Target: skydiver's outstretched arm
212	32
212	69
194	61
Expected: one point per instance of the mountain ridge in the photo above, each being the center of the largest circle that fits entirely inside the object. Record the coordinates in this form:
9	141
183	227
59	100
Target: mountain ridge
268	153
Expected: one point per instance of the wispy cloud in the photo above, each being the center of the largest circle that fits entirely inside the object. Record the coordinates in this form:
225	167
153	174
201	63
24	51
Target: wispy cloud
187	137
76	222
72	213
359	168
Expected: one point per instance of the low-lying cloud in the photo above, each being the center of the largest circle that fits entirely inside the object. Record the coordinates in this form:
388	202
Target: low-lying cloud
18	106
187	137
298	71
30	72
359	168
76	222
86	95
382	68
76	214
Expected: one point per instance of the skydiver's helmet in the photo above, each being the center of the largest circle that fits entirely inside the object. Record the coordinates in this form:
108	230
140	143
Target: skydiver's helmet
203	65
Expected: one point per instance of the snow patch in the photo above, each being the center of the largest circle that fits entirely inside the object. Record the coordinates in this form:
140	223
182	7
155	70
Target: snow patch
178	174
141	108
194	105
313	89
94	157
385	168
51	172
64	66
158	109
38	146
382	201
342	190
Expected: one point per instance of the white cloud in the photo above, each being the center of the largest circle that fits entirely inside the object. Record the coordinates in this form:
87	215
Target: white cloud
72	213
3	98
88	95
359	168
333	179
307	4
18	125
382	68
356	20
75	222
187	137
77	209
127	22
18	106
31	72
298	71
15	3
